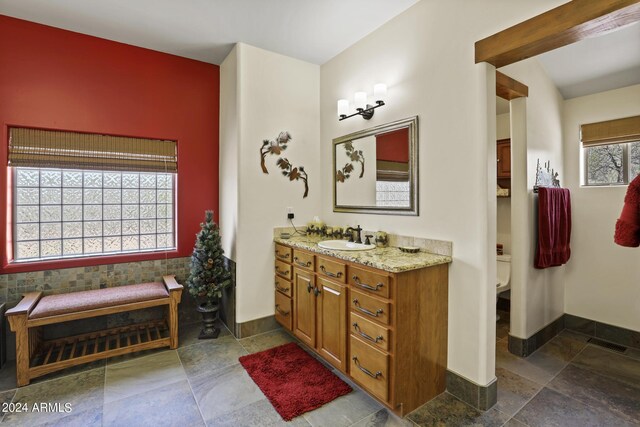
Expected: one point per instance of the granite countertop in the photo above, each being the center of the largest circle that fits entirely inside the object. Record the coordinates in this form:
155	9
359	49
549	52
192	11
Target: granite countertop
389	259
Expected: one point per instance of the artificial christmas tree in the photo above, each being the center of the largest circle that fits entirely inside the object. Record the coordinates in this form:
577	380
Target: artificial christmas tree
208	276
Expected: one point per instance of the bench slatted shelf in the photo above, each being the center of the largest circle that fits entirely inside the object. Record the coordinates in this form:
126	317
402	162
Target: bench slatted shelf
36	357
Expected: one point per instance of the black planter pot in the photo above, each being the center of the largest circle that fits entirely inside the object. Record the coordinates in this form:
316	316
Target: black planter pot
209	316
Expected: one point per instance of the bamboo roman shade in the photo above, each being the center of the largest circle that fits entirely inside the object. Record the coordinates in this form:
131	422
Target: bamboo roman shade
74	150
611	132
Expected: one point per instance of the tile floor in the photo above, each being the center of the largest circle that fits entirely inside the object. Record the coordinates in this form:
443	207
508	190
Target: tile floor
567	382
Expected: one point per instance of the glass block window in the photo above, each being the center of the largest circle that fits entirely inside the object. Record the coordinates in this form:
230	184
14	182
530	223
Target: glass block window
393	193
613	164
64	213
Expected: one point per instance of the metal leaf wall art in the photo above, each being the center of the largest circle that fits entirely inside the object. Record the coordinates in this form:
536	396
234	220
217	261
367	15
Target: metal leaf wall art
294	173
273	147
355	156
276	147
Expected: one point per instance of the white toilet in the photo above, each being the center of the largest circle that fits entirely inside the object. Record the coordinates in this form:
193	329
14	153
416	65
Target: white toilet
503	274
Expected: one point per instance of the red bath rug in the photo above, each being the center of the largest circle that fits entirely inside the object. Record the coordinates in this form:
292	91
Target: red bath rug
293	381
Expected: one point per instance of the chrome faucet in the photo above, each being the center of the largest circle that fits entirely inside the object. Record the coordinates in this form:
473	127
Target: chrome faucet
358	230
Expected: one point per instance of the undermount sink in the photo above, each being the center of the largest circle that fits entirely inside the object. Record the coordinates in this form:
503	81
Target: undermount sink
343	245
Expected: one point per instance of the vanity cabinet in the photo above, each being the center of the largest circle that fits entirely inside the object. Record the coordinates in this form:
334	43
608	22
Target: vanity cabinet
386	330
320	316
284	286
304	306
331	307
284	310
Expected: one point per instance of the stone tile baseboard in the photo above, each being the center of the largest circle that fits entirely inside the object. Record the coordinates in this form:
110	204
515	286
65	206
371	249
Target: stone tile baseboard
613	334
255	327
478	396
603	331
525	346
228	311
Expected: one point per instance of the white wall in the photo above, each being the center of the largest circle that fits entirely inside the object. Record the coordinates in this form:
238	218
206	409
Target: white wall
602	280
503	126
229	141
537	296
356	191
428	65
503	235
274	93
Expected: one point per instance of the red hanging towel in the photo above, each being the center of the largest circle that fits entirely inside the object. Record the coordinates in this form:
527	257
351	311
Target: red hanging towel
628	225
554	227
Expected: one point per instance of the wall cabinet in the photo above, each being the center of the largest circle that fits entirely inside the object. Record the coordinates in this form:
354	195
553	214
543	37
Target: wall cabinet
386	331
504	158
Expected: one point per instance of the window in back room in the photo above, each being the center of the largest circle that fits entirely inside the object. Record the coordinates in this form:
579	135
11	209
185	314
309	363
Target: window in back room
77	195
612	164
611	151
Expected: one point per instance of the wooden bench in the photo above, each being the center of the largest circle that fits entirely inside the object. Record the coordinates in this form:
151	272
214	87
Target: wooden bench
36	357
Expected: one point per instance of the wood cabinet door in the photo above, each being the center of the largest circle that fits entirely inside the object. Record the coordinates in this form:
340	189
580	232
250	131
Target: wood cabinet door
332	326
504	158
304	318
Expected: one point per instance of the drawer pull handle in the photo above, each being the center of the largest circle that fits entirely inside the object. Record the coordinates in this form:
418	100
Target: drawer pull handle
279	310
365	370
375	340
281	289
331	291
285	256
282	273
365	311
330	274
302	264
376	288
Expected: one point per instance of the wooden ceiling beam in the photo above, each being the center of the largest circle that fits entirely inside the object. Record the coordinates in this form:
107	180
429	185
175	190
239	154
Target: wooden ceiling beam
564	25
508	88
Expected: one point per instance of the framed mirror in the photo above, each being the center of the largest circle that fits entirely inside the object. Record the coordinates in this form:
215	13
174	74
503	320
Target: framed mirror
376	170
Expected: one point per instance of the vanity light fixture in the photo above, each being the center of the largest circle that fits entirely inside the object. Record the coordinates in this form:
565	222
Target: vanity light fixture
360	99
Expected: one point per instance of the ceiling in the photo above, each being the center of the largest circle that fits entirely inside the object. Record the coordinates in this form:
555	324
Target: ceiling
610	61
206	30
311	30
597	64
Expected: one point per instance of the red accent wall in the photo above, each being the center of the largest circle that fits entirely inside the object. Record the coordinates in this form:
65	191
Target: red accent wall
393	146
57	79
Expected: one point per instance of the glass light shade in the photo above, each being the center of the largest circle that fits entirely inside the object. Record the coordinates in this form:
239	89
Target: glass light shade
361	100
343	107
380	92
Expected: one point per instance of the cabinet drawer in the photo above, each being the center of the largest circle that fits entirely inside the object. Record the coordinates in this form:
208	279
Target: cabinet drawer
332	269
369	281
284	270
370	367
283	286
369	307
372	333
283	253
283	310
303	259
